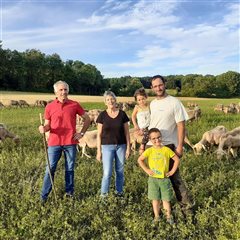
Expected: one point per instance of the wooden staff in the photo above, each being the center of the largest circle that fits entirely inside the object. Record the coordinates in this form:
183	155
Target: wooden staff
48	162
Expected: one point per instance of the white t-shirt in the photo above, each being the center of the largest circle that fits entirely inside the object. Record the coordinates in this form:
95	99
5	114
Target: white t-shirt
165	114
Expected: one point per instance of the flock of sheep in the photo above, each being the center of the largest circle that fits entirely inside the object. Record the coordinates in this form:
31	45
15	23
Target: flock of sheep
231	108
23	103
227	142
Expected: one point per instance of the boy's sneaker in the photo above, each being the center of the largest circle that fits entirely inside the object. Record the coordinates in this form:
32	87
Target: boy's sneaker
155	221
170	221
69	195
119	194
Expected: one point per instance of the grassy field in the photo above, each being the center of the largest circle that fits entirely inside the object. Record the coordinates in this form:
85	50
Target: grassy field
214	185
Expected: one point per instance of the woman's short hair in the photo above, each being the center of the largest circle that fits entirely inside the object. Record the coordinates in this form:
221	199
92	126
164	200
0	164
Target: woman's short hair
55	85
109	93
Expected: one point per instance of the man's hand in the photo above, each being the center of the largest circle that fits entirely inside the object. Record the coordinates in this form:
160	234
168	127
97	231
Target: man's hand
77	136
179	151
41	129
169	174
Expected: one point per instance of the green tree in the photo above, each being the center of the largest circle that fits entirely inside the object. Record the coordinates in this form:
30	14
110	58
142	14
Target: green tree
35	66
54	69
130	87
229	83
205	86
188	88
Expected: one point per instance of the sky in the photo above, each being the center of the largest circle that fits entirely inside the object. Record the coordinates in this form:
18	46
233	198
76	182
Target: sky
129	37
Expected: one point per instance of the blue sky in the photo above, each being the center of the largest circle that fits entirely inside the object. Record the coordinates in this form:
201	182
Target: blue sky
137	38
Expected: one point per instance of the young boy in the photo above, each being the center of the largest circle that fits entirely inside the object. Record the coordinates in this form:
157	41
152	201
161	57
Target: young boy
159	185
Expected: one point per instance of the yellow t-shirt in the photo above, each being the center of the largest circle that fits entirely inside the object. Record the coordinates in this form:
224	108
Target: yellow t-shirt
158	160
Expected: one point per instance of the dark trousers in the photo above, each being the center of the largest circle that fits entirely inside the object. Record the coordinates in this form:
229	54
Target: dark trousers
179	187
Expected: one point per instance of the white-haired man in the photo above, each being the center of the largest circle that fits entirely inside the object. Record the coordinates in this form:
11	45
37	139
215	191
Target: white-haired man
60	119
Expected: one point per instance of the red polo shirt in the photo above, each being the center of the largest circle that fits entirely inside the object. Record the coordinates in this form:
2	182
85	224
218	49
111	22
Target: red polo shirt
62	117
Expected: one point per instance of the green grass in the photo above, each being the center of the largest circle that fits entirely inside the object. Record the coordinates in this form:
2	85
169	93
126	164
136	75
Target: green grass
213	184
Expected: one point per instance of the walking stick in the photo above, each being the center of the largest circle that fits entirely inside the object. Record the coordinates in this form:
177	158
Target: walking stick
48	162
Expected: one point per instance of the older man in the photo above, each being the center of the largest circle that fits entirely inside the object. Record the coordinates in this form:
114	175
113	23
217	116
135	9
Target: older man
60	119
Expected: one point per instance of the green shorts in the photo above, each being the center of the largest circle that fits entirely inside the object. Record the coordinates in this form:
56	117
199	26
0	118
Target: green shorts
160	189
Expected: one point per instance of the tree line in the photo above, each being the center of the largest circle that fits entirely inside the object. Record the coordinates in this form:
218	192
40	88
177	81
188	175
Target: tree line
35	71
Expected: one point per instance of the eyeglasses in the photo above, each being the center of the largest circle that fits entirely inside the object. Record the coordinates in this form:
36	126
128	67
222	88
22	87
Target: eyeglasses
156	138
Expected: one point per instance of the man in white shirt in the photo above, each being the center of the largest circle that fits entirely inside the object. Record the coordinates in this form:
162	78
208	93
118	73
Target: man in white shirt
169	116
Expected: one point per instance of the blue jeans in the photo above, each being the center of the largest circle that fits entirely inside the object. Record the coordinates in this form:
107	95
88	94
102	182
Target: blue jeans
109	154
54	154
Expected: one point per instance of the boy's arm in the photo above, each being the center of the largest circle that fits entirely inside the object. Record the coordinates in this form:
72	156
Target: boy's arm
134	118
143	166
175	166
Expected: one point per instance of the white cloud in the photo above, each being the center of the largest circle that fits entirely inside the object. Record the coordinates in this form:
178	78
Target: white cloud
145	36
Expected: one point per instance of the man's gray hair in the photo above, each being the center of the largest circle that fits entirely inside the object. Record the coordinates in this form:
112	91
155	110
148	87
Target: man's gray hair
109	93
55	85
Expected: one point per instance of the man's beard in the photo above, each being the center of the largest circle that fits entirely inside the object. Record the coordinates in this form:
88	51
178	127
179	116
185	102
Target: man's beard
161	93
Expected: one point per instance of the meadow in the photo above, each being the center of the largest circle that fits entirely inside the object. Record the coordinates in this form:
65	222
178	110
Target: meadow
214	186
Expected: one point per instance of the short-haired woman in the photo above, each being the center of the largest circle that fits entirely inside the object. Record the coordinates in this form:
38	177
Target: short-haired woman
113	143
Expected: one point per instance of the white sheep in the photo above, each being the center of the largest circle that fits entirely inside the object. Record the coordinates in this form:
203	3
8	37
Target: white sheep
233	132
136	138
93	115
194	114
209	138
231	143
88	140
4	133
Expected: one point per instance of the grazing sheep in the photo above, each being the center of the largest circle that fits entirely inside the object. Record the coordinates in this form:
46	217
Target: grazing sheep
194	114
136	138
14	103
229	109
93	115
191	105
4	133
233	132
128	105
23	103
40	103
231	143
219	107
237	108
1	105
209	138
88	140
119	105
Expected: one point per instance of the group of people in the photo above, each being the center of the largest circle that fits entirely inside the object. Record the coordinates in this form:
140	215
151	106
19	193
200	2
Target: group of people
161	124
